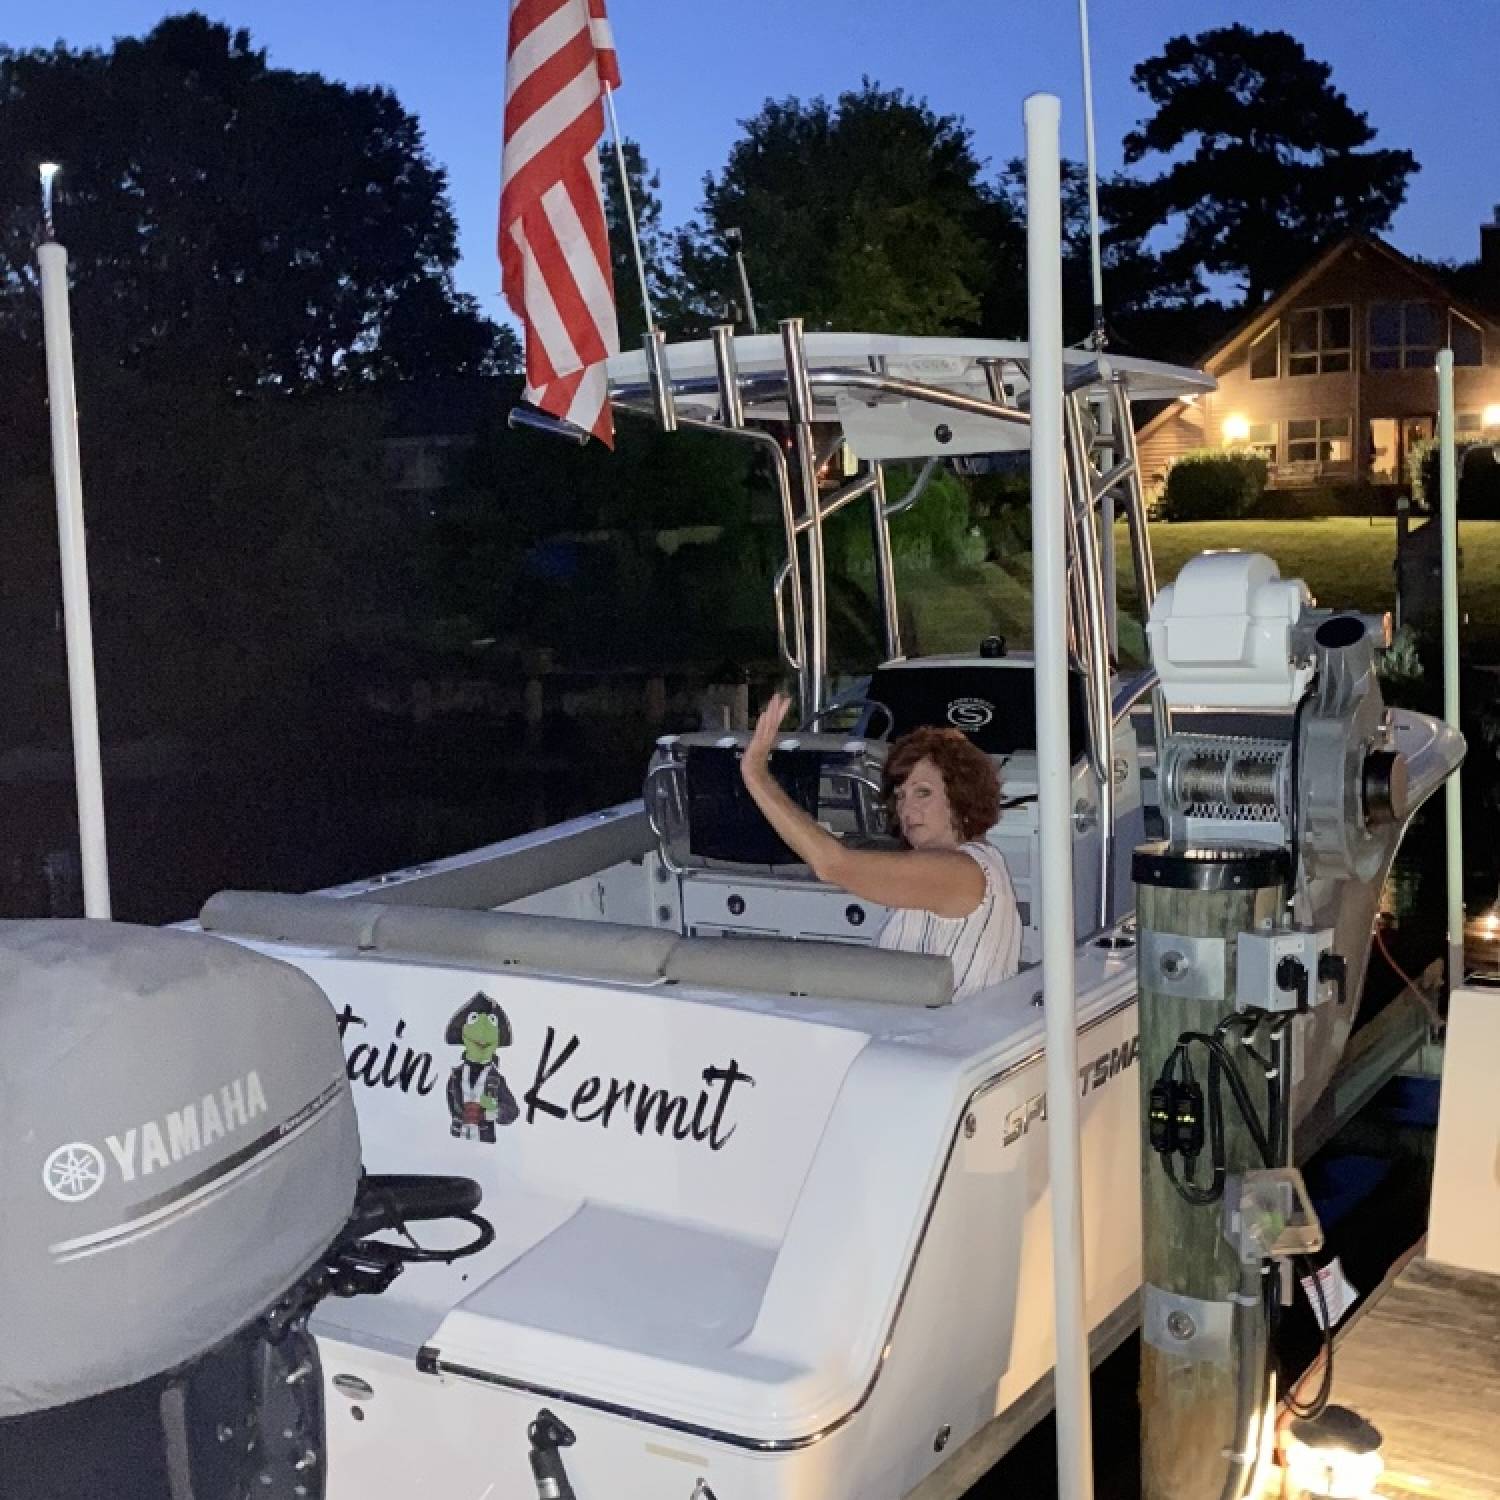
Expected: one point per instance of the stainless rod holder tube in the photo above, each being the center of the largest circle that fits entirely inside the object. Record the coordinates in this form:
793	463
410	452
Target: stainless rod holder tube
662	397
534	420
1101	747
885	568
800	410
726	367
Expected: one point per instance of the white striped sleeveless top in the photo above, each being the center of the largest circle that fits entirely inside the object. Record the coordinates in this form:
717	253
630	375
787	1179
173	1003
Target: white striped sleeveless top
985	946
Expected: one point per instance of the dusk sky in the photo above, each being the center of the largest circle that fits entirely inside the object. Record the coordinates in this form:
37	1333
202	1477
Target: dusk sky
1426	75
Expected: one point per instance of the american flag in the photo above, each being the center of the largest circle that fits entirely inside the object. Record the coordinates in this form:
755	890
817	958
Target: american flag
554	247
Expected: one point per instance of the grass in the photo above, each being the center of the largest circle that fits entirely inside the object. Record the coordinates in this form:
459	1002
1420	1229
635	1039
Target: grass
1347	562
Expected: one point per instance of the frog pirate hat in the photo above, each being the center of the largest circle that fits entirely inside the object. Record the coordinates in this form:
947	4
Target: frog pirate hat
481	1005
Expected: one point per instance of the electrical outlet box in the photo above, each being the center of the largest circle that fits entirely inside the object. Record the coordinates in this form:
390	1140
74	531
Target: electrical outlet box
1269	964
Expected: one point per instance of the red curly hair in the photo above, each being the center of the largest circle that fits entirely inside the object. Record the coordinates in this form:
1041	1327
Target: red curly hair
969	778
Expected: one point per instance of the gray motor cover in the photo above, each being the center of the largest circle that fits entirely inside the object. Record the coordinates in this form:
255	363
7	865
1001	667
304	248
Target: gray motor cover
177	1148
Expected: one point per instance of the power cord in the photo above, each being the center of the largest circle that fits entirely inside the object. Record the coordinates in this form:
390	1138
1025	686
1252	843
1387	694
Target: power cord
1178	1128
1177	1123
1309	1272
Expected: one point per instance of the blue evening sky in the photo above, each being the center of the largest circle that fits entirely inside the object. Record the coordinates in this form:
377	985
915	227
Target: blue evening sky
1424	74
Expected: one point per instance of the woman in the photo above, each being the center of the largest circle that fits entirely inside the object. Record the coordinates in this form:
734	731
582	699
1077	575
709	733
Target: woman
949	888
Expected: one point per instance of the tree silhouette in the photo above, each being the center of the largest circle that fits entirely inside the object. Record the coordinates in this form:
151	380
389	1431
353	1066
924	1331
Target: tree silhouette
259	227
869	212
1275	164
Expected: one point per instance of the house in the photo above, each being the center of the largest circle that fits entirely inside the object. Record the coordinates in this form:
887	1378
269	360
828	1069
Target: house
1332	379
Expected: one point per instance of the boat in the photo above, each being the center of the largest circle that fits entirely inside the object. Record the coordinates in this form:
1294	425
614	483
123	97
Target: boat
763	1212
771	1212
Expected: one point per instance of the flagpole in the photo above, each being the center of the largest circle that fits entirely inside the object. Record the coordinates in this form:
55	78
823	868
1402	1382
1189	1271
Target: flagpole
635	236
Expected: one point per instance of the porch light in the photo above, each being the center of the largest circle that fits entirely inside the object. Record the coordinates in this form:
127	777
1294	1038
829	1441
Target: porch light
1335	1456
1482	941
1237	428
1491	416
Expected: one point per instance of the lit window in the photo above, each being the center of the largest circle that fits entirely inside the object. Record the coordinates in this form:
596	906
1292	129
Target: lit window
1465	339
1404	335
1318	440
1262	440
1265	354
1318	341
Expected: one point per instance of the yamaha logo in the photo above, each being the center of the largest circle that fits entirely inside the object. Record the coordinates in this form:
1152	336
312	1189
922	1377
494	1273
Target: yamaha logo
73	1172
970	713
77	1170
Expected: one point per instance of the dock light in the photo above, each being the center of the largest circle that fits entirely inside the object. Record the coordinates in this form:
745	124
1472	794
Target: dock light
1335	1456
48	170
1236	429
1490	417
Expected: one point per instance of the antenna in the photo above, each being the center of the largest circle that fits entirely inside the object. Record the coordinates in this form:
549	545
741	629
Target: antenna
1101	336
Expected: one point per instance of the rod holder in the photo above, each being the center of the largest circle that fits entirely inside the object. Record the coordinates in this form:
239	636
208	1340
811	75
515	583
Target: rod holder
726	366
662	397
531	418
798	389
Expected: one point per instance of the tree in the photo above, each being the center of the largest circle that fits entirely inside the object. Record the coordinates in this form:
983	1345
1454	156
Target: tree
262	228
869	212
1136	281
1275	165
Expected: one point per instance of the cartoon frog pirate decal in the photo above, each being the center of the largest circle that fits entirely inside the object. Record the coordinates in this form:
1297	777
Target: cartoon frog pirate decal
478	1096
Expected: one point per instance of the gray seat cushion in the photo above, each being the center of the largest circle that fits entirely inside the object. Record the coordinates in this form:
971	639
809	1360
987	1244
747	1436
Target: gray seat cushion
314	921
553	945
838	971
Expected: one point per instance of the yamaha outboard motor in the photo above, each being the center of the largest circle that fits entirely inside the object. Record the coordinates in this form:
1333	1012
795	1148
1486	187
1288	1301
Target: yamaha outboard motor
179	1184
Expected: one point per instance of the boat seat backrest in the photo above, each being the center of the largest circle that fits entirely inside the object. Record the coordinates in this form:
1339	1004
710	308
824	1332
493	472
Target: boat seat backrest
311	921
568	947
553	945
837	971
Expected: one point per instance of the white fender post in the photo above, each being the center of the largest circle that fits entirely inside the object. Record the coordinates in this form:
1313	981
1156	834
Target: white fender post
78	631
1448	520
1075	1470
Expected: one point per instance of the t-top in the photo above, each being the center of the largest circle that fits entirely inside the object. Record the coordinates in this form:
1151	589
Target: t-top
985	946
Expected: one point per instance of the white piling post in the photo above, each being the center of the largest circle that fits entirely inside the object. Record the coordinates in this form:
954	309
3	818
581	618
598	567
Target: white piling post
78	631
1054	776
1448	520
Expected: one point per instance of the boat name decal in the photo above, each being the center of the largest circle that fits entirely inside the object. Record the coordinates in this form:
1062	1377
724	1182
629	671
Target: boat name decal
701	1115
1092	1076
401	1067
636	1102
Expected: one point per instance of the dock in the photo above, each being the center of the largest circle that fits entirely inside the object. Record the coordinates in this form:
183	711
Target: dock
1421	1360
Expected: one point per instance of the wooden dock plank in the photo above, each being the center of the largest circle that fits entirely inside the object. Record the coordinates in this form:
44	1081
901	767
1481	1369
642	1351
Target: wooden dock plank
1423	1364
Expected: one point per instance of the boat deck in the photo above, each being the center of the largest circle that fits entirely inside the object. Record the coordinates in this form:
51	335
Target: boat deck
1422	1362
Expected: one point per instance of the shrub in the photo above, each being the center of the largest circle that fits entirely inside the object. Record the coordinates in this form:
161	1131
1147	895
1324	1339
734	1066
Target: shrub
1213	484
1308	503
1478	479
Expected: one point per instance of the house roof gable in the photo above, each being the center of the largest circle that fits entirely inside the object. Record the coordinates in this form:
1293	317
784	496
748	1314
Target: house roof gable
1267	313
1315	270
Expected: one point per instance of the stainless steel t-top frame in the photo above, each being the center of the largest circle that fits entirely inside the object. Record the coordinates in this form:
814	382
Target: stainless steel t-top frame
1102	476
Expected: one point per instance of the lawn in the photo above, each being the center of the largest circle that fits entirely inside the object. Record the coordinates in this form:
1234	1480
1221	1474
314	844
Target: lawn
1347	562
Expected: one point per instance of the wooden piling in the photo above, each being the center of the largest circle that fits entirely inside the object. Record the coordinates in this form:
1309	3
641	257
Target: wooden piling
1191	907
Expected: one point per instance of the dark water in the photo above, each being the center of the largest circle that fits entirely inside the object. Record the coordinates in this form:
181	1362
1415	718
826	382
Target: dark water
299	813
